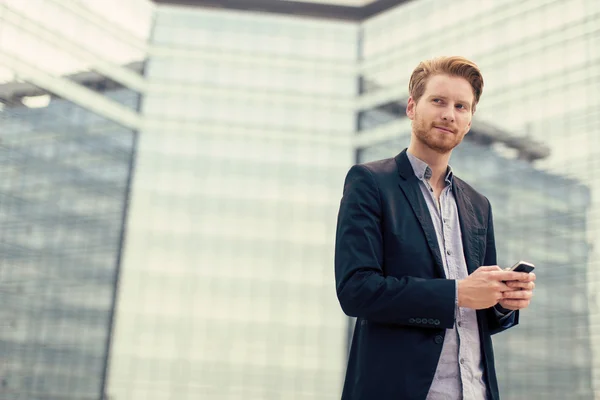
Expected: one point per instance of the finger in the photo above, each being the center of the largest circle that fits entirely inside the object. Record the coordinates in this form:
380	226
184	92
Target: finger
521	285
518	294
515	304
516	284
489	268
503	287
509	276
527	277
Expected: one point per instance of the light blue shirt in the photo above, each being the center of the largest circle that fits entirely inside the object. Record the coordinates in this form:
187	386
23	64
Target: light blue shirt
459	374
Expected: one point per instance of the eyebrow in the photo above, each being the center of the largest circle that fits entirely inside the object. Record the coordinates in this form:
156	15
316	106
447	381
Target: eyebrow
446	98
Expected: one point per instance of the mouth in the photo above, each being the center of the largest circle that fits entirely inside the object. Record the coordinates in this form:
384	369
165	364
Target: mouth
445	130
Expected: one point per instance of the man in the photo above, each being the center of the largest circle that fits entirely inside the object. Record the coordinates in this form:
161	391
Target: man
415	258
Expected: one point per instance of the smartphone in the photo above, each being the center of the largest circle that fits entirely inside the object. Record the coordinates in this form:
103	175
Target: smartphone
522	266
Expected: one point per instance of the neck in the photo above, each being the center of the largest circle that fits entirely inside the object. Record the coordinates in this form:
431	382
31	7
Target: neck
438	162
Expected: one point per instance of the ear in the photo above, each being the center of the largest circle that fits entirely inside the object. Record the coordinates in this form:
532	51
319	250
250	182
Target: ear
410	108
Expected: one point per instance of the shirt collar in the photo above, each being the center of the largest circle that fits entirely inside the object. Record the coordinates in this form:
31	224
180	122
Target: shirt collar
422	170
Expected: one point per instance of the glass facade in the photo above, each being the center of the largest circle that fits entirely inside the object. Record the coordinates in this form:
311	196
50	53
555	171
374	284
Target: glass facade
207	270
227	283
63	194
548	356
541	65
70	90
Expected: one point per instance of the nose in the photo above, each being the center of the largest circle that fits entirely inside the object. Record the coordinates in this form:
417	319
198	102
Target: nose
448	114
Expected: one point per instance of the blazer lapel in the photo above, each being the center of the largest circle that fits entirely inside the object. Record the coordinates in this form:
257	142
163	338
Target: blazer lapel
409	184
468	222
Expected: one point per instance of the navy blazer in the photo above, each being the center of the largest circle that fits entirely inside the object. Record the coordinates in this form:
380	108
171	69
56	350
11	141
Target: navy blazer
389	274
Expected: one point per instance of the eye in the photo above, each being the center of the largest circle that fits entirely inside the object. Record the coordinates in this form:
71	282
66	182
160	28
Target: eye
437	100
460	106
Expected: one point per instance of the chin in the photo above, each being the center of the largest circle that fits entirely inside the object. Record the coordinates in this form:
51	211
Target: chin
441	147
441	150
439	142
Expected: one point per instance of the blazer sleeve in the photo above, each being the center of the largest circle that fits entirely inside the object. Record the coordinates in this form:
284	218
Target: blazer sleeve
496	322
363	290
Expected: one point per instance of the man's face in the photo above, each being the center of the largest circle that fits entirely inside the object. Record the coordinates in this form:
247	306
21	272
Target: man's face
442	116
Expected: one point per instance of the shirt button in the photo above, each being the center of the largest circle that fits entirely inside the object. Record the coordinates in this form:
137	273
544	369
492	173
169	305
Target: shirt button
448	252
462	360
459	323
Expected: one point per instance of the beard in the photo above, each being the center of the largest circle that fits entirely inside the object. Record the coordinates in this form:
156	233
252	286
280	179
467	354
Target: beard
439	142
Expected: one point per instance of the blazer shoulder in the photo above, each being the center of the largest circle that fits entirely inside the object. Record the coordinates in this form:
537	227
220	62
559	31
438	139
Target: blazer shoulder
476	198
381	168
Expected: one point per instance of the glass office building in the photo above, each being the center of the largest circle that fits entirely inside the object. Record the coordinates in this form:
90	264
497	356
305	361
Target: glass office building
168	207
541	64
548	356
70	89
227	286
252	120
64	187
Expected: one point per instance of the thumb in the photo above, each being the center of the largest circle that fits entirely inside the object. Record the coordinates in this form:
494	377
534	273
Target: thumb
489	268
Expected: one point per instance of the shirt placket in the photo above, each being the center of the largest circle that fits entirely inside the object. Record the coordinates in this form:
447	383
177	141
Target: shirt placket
453	273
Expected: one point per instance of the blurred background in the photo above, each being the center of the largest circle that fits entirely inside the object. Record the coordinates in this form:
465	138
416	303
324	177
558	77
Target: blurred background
171	172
